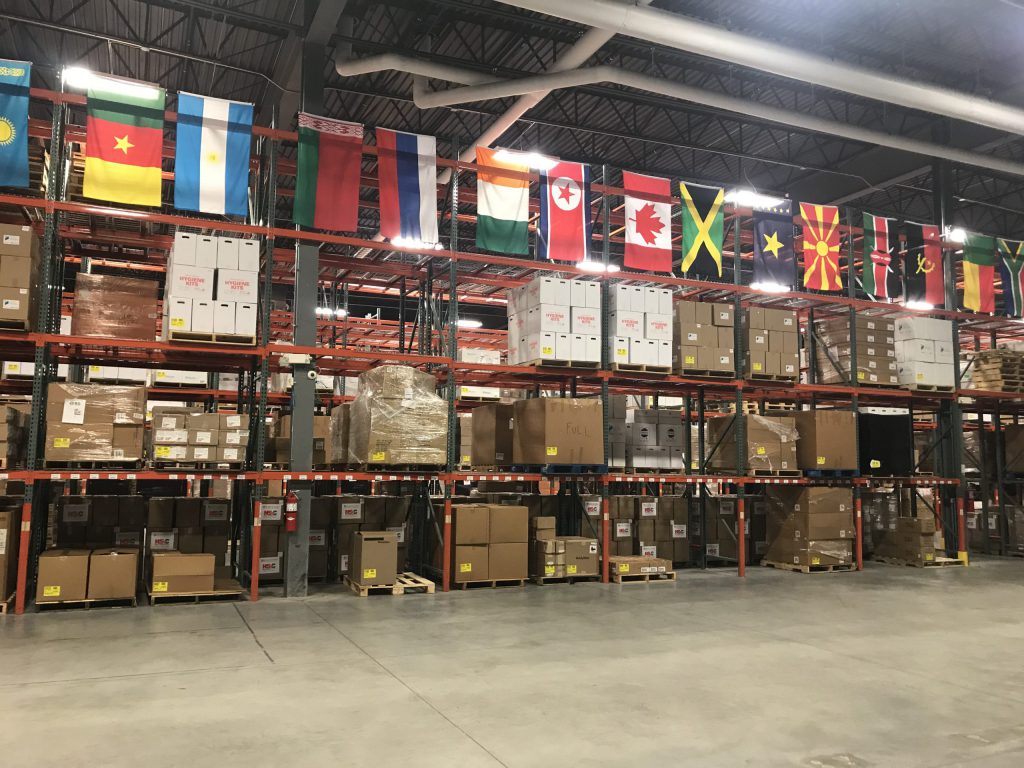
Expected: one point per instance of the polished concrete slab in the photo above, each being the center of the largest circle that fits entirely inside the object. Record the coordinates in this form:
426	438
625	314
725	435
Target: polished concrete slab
889	667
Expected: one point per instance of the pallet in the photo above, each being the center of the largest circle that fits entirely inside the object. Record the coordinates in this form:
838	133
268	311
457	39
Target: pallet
101	466
772	377
406	582
106	602
15	325
171	466
223	339
632	578
832	473
5	606
222	591
584	364
557	469
774	473
542	580
938	562
492	583
710	374
914	387
396	468
661	370
808	568
627	367
478	399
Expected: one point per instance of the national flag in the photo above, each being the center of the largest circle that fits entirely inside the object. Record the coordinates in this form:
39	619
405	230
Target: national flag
648	218
211	156
1011	270
15	77
327	174
124	137
702	217
407	171
880	277
821	247
564	230
502	203
979	273
922	264
774	261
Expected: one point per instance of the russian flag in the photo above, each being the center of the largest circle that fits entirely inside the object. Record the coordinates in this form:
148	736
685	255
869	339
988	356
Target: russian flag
211	160
407	171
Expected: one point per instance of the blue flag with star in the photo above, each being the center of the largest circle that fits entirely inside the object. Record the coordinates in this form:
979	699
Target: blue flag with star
774	259
14	83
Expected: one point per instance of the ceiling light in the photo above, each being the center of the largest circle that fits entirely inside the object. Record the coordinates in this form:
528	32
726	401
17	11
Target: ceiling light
956	234
532	159
79	77
341	313
411	242
323	311
748	198
596	266
465	322
771	287
922	306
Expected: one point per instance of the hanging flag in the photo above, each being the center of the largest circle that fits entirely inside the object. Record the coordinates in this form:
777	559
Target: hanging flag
502	203
774	261
124	136
564	230
648	218
1011	270
922	264
879	272
327	174
979	273
407	170
211	156
821	247
702	230
14	83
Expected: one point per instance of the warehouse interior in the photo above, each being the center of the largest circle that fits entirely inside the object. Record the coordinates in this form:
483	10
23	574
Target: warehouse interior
479	382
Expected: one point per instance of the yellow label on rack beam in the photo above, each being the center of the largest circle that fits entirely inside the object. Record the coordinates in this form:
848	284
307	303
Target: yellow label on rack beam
758	366
551	450
623	567
159	586
874	464
761	450
465	567
820	460
570	569
62	442
369	573
378	456
549	570
51	591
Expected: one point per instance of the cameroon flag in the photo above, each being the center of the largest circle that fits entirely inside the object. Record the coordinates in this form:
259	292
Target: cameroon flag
124	134
979	264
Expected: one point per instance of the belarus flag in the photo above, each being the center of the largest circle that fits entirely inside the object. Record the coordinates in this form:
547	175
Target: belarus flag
564	230
407	170
648	223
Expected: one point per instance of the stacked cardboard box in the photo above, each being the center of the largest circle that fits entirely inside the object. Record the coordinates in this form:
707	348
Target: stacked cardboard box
165	376
554	319
912	540
491	436
186	435
772	343
924	352
99	521
13	435
640	326
490	542
1013	447
93	422
280	436
654	439
368	513
827	440
70	575
10	526
374	558
638	565
181	573
721	529
488	356
558	430
212	286
770	446
810	526
19	276
704	338
398	419
116	374
654	521
324	534
338	435
880	509
875	347
114	307
465	436
617	436
561	556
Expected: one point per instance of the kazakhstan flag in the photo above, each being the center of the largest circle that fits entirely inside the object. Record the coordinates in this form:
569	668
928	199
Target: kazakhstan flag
14	83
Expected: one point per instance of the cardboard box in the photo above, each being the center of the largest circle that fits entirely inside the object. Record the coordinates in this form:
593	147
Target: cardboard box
492	441
17	305
507	525
176	573
582	556
114	307
10	526
470	563
828	439
550	430
472	523
374	558
507	560
18	240
63	575
236	285
113	573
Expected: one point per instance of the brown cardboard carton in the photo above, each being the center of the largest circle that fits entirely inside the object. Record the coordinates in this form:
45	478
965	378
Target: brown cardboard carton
542	528
95	404
18	240
345	536
492	442
828	439
17	305
10	520
582	556
636	565
161	512
507	561
472	523
114	307
375	513
508	524
338	435
781	320
470	563
771	442
188	512
63	575
131	513
558	430
176	573
113	573
189	540
374	558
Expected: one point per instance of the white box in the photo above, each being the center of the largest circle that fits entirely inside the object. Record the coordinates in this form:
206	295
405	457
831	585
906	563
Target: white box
249	255
65	325
538	346
224	317
665	353
227	253
183	251
593	349
184	282
626	323
168	376
578	293
177	314
202	316
245	319
563	346
657	326
619	298
206	252
638	351
929	374
578	348
546	318
618	350
592	293
944	352
586	320
664	301
637	298
514	337
96	373
132	375
915	350
924	328
547	290
236	285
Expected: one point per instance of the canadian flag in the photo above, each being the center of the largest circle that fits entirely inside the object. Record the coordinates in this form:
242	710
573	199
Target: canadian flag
563	233
648	223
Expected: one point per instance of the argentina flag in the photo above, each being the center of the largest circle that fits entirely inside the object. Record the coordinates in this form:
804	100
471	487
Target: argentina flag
14	84
211	160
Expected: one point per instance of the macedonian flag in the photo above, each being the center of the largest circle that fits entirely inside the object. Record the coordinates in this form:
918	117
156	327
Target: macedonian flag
821	247
124	136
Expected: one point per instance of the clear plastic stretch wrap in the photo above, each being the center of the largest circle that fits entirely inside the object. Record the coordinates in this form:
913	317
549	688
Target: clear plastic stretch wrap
397	419
811	526
114	307
94	422
771	442
338	435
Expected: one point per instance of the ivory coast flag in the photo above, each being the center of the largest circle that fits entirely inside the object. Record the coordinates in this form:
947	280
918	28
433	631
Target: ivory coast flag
503	203
124	134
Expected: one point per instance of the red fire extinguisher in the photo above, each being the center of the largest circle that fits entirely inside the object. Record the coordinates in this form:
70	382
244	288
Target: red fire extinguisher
291	512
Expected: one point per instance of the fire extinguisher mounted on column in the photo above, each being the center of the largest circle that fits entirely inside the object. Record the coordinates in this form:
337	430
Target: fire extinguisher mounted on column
291	512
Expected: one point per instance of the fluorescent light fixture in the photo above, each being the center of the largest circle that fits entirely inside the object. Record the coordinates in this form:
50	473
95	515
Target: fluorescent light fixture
956	234
411	242
323	311
771	287
748	198
596	266
532	159
341	313
922	306
465	322
79	77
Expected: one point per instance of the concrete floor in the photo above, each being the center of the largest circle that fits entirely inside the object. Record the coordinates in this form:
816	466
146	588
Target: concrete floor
891	667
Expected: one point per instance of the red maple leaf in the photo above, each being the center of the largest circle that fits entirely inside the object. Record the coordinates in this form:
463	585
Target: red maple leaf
647	223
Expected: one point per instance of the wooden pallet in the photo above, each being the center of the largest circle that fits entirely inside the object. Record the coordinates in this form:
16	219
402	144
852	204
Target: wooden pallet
492	583
101	466
938	562
5	606
406	582
796	568
660	370
557	469
632	578
772	377
627	367
563	579
702	372
584	364
15	325
914	387
774	473
107	602
172	466
832	473
222	339
228	589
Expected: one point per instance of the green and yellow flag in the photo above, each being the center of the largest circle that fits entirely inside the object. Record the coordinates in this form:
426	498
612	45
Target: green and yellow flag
702	230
